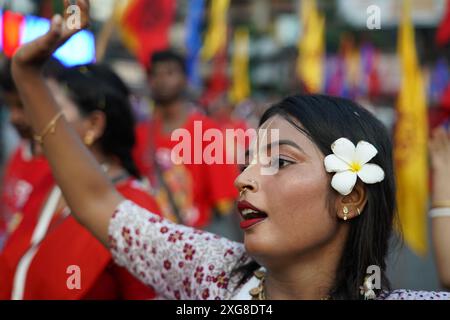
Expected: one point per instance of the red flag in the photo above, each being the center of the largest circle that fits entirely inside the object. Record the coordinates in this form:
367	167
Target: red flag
443	32
218	83
12	28
146	25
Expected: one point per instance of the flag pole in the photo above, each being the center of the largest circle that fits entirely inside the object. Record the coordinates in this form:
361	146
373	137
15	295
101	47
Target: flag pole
105	34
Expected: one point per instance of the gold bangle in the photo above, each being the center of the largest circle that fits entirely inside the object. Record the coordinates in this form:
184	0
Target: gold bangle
50	128
441	204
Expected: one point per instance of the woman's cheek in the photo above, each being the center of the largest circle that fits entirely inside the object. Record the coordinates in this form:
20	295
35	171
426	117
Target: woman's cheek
305	197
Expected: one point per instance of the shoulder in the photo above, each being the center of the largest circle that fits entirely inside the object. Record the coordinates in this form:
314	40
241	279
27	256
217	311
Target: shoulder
403	294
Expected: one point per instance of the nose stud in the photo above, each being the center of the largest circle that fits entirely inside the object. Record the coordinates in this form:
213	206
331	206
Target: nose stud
253	185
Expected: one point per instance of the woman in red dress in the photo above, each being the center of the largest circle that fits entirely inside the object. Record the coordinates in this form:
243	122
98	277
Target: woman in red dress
50	255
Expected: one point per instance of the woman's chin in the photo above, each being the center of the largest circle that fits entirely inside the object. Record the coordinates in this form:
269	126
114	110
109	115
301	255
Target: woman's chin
257	243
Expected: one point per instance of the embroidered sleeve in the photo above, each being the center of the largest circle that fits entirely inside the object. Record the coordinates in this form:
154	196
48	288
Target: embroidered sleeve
416	295
177	261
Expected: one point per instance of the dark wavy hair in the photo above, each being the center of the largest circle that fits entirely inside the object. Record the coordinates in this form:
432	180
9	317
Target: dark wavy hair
95	87
324	119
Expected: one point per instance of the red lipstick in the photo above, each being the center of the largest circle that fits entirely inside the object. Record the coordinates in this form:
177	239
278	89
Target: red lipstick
250	214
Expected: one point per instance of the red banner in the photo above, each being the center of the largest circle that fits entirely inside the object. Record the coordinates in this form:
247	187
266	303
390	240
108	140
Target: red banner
146	24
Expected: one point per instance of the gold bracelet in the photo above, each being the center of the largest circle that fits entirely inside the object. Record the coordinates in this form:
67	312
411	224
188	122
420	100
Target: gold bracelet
441	204
50	128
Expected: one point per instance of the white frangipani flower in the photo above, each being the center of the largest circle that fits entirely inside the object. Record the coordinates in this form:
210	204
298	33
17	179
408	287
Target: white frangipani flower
350	162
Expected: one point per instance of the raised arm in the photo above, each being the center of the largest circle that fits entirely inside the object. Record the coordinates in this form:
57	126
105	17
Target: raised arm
440	156
86	188
179	262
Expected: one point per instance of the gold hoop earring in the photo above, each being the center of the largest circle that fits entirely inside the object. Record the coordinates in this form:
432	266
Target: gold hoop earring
345	211
89	138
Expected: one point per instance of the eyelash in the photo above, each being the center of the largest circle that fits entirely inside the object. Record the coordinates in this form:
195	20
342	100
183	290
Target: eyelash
280	160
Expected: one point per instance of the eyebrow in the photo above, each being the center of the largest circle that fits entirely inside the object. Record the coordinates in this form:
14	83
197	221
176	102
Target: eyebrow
280	143
289	143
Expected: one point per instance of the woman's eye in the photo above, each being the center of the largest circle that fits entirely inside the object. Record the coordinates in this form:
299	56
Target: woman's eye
283	162
274	160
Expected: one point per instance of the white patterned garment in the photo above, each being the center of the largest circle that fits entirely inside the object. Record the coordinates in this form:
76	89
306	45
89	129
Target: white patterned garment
180	262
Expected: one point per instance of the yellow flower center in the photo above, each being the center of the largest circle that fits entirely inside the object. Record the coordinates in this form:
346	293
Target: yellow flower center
355	166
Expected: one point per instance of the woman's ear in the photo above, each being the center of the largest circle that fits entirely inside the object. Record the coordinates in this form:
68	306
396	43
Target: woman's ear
95	124
351	205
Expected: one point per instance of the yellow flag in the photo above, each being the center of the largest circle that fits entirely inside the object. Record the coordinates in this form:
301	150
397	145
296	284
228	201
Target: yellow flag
311	46
411	134
216	36
240	89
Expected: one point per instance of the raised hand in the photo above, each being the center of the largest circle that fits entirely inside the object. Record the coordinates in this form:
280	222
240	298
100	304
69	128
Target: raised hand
440	148
36	52
440	162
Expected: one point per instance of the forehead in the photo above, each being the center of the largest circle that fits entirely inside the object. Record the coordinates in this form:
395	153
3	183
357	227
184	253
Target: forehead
287	131
165	65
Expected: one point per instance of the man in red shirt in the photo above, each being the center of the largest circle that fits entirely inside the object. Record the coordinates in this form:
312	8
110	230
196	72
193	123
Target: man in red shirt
27	170
188	192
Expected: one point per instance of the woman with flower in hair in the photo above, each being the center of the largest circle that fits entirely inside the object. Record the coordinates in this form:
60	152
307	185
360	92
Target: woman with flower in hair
317	217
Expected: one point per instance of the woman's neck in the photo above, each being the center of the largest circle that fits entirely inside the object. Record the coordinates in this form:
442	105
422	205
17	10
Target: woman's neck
306	283
310	276
112	165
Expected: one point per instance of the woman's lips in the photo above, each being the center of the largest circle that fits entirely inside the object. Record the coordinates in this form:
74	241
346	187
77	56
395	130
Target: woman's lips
245	224
250	214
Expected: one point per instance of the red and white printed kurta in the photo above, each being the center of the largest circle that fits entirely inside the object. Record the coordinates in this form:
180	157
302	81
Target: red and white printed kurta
180	262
